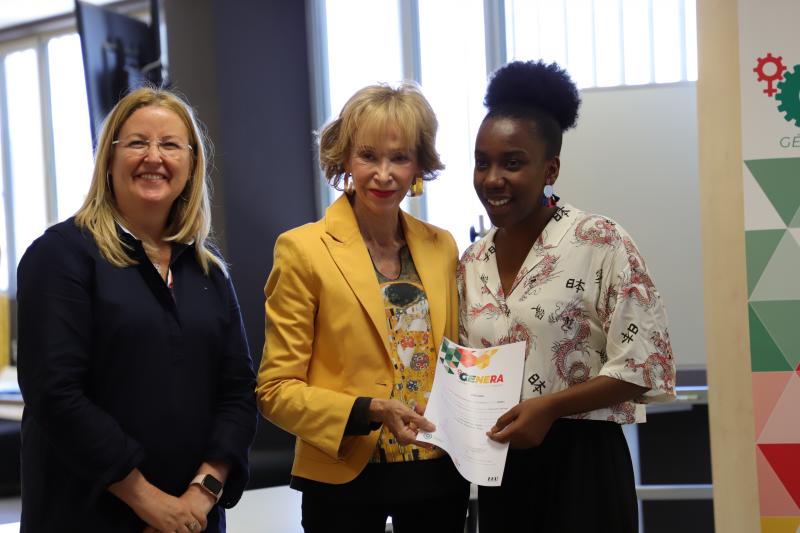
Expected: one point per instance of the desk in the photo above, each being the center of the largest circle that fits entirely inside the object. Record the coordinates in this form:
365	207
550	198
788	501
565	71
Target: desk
10	412
9	409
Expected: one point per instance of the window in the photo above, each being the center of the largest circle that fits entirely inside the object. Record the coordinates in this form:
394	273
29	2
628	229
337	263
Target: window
603	43
46	144
3	195
453	78
361	49
607	43
70	121
26	161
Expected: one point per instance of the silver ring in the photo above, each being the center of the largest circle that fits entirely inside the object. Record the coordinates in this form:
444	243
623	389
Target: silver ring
193	526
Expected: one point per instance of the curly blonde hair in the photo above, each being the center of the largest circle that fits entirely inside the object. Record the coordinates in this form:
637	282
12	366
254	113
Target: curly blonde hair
365	118
190	217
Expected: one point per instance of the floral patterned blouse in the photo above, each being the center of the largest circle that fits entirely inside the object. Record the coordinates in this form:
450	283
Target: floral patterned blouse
412	352
584	303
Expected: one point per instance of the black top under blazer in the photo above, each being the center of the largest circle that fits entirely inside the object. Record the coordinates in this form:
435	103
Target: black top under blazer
118	372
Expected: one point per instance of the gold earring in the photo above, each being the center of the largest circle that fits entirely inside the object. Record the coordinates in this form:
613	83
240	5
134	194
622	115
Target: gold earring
417	187
349	185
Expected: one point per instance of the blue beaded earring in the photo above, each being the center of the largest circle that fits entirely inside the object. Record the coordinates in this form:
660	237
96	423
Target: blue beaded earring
549	198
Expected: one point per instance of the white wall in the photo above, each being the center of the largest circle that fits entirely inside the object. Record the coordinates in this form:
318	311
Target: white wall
633	158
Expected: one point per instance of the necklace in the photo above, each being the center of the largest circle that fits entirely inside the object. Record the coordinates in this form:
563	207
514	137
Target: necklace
158	262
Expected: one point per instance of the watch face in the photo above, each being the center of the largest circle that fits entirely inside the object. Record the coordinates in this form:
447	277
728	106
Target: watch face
212	484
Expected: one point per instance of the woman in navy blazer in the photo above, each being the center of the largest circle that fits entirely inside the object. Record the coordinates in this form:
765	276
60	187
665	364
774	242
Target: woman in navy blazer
133	362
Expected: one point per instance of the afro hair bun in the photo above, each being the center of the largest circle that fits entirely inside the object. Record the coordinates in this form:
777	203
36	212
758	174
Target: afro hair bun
534	85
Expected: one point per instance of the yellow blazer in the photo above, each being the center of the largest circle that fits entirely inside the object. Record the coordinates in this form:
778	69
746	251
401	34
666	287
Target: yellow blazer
327	339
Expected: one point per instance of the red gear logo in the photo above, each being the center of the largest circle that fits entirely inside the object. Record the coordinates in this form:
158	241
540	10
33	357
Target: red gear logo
770	78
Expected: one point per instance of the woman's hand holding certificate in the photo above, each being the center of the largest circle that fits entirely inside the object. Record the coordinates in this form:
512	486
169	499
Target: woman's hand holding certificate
472	389
524	425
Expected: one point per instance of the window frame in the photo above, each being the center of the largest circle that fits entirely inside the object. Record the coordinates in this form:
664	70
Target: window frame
411	64
36	35
39	44
496	34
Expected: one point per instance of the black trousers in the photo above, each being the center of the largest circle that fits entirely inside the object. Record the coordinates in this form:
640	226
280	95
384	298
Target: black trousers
579	480
420	496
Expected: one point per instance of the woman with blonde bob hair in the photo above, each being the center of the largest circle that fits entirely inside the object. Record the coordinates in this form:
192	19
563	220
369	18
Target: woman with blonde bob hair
356	308
132	357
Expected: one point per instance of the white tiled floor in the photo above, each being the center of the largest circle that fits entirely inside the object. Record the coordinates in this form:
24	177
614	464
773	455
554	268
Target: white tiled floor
279	507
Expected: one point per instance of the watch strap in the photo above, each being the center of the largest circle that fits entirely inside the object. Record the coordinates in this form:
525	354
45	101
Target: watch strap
210	484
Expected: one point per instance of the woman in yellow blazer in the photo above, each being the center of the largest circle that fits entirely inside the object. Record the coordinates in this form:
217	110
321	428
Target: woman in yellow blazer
357	305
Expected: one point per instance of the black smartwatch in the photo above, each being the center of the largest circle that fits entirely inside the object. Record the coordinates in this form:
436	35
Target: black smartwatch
210	484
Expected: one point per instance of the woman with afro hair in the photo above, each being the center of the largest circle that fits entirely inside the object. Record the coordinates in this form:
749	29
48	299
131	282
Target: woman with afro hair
575	288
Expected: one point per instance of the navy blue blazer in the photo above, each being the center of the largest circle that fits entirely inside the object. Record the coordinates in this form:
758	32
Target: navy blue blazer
119	372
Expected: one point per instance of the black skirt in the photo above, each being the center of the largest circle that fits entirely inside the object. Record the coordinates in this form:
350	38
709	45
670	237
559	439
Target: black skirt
579	480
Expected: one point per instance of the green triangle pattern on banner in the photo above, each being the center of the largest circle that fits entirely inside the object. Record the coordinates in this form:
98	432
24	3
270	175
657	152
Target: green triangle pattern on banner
780	320
759	245
795	223
780	181
764	354
779	279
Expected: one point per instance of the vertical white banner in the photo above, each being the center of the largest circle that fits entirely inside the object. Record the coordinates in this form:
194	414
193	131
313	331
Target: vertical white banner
769	55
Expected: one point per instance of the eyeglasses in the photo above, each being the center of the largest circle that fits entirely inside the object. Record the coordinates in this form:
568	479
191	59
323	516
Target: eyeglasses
140	147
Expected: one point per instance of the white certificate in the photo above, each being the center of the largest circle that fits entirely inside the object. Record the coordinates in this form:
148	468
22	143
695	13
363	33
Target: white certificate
472	388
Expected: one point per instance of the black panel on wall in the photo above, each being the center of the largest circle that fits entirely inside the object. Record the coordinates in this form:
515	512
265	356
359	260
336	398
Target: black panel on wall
674	448
265	139
243	65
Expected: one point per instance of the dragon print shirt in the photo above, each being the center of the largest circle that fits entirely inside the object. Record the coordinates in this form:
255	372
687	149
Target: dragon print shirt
585	304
